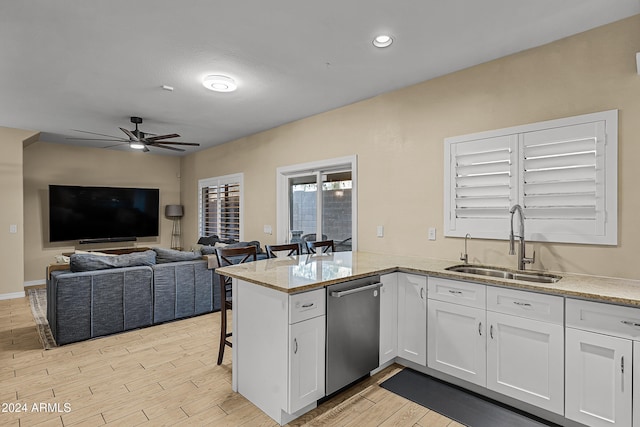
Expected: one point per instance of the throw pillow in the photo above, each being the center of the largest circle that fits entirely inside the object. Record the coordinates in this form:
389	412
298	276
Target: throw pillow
208	240
90	262
172	255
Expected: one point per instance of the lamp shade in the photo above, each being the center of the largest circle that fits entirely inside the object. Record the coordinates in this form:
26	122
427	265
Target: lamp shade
173	211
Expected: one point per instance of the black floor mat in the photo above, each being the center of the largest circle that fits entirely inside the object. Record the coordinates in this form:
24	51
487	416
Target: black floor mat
455	403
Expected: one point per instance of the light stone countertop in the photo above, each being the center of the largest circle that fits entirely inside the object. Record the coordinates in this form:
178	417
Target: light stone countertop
307	272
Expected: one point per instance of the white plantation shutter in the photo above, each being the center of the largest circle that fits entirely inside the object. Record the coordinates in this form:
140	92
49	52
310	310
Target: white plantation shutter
221	207
562	172
483	177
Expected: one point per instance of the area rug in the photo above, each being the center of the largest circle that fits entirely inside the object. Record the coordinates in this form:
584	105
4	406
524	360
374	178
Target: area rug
456	403
38	303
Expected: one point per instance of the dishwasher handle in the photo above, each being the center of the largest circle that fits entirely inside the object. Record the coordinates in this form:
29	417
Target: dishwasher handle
338	294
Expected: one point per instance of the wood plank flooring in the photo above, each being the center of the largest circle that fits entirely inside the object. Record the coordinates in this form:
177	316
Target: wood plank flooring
164	375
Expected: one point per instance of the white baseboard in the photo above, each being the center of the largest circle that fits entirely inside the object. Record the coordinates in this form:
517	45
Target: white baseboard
35	283
12	295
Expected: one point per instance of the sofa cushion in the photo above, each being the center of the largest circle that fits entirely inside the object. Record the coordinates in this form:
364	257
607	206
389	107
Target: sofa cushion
172	255
90	262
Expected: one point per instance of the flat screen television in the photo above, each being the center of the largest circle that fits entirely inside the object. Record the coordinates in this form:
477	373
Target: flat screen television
102	213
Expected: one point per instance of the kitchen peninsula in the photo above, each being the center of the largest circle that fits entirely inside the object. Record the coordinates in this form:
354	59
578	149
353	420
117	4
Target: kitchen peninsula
279	321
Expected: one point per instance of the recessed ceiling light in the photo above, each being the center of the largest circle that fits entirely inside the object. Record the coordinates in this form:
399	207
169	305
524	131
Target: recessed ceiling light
219	83
382	40
136	145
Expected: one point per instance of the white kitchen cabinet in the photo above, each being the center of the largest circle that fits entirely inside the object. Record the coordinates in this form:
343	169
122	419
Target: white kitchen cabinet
636	384
279	349
388	317
456	344
306	362
412	318
598	384
525	360
525	347
599	350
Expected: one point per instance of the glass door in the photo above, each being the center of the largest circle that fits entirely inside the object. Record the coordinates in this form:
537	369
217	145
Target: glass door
320	208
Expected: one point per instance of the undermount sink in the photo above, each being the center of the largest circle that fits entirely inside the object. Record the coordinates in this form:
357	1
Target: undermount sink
529	276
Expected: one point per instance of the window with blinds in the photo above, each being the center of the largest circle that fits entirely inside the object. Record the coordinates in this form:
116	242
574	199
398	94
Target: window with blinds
562	172
221	207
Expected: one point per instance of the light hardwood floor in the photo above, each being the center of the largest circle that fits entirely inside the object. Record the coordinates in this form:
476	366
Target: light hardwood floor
161	375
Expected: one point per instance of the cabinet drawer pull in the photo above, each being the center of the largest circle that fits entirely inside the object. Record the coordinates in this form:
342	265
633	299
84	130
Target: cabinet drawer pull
295	343
630	323
522	304
307	305
622	364
451	291
422	293
480	328
491	331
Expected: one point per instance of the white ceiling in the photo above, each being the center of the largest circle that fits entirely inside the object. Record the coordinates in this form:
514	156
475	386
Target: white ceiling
90	65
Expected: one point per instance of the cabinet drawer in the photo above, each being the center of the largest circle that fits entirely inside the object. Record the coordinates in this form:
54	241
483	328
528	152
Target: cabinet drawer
530	305
307	305
604	318
458	292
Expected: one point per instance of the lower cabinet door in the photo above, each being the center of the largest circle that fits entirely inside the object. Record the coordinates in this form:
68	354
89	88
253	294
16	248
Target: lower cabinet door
636	384
306	362
598	382
456	342
388	317
412	318
525	360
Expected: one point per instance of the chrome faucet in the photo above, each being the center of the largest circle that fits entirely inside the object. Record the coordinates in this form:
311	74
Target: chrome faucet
465	257
522	259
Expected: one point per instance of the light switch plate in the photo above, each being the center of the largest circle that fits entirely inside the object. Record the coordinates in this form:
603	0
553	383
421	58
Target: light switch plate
432	233
380	231
268	229
13	228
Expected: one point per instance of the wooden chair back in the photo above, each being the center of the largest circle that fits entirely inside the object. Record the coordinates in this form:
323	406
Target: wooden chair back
292	248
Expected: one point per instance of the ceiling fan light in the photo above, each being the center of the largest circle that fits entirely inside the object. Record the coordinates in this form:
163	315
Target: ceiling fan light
136	145
219	83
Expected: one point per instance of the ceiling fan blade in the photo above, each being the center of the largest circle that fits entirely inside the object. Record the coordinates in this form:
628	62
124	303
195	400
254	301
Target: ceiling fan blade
114	139
156	138
130	134
193	144
93	133
166	147
116	145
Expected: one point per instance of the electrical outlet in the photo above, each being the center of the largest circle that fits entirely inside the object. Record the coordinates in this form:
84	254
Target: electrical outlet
380	231
13	228
432	233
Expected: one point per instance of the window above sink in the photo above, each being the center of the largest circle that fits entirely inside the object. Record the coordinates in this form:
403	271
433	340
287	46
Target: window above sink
562	172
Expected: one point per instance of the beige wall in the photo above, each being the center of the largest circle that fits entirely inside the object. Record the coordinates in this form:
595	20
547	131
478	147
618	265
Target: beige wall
48	163
398	138
11	244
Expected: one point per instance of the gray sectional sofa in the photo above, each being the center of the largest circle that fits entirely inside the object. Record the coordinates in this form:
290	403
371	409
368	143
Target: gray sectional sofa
102	295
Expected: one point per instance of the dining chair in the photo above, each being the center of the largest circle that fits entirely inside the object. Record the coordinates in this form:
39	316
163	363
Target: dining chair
229	256
292	248
326	246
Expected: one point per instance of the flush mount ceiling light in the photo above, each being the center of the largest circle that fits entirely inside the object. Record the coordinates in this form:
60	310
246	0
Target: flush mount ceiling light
219	83
382	40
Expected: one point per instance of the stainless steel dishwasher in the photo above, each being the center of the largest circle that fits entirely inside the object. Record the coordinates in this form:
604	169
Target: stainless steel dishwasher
353	331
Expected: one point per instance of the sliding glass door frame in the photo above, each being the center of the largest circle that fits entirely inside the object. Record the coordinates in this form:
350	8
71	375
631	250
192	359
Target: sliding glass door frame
285	173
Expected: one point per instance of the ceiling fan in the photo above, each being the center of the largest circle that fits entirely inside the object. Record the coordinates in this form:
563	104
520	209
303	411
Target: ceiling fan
139	140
